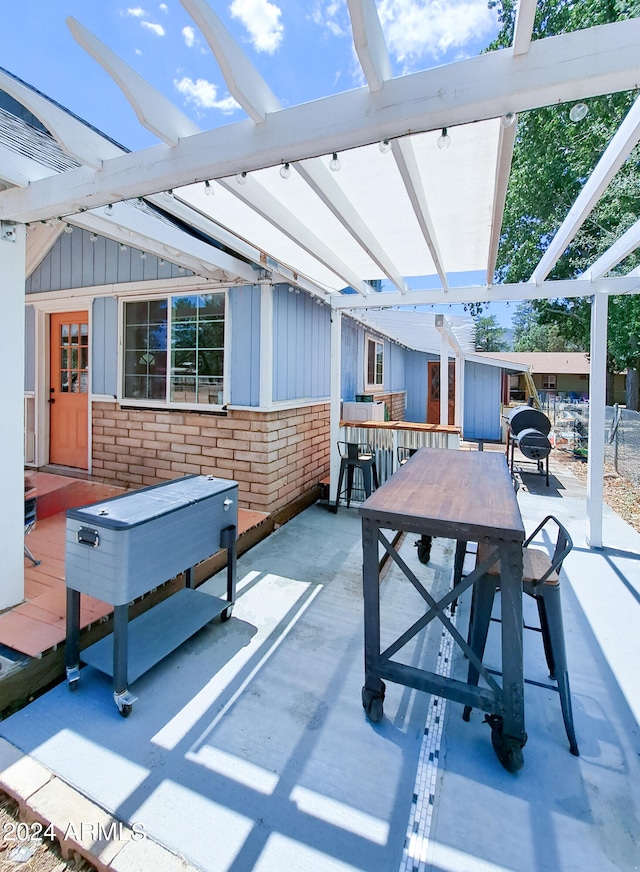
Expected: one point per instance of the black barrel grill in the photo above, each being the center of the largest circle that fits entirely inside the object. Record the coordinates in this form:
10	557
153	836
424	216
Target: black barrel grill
528	431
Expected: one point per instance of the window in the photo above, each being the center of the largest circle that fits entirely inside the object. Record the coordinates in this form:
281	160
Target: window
549	382
374	364
174	349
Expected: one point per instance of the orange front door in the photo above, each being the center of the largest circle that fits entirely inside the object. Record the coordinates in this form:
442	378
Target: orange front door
69	390
433	392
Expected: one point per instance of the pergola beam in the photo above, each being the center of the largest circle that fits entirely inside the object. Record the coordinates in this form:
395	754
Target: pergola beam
369	43
506	144
627	243
523	28
600	60
407	163
498	293
318	177
152	108
244	82
261	201
127	224
623	142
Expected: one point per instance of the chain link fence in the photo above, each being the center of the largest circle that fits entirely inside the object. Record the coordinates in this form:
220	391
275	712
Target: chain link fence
622	442
570	431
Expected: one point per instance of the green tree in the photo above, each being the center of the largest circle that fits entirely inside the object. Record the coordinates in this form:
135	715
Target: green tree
490	336
531	334
553	157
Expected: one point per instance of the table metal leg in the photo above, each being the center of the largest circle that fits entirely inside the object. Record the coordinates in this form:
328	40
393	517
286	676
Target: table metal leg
374	688
72	646
507	730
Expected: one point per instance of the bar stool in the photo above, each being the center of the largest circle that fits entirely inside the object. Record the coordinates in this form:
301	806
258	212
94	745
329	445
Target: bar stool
356	455
540	580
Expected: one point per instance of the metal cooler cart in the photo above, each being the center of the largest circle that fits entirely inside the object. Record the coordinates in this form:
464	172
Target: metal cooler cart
122	548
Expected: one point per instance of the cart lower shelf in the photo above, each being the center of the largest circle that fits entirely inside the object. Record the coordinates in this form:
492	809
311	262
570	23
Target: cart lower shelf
155	634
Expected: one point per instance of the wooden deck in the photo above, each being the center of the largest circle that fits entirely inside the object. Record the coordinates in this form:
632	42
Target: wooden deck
38	624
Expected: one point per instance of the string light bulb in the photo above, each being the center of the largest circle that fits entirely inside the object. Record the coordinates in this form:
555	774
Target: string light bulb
143	255
93	237
444	140
208	188
334	163
285	170
241	178
508	120
578	111
384	146
108	210
123	247
68	228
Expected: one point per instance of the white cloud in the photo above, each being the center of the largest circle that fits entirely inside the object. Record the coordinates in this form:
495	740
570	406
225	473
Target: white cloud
158	29
415	28
163	7
189	35
332	15
204	95
138	12
262	20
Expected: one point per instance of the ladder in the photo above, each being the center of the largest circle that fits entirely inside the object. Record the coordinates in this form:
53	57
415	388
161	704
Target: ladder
532	390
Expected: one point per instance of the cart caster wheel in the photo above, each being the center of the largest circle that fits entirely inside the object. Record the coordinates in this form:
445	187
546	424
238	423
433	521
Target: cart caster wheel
372	703
424	549
508	750
126	709
226	614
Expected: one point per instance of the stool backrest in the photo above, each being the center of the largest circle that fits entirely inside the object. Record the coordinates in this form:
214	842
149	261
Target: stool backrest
352	450
562	547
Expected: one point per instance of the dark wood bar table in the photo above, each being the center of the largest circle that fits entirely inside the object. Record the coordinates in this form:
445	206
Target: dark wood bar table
467	496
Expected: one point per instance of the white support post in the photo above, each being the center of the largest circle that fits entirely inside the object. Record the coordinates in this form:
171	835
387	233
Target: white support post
444	379
266	346
12	278
334	411
459	394
597	403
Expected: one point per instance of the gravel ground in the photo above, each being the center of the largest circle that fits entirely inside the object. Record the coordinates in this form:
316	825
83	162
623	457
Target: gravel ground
16	846
619	493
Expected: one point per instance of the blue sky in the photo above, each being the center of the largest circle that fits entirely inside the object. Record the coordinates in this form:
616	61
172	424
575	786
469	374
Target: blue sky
303	48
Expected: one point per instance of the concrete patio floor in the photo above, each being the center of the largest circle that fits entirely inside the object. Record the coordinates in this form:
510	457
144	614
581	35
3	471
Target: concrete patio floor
248	749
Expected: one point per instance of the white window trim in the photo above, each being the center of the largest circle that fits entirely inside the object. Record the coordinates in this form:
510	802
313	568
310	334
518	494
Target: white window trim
548	387
167	403
372	387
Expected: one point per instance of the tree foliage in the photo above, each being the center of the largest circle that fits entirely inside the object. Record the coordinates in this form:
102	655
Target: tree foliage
529	334
490	336
553	158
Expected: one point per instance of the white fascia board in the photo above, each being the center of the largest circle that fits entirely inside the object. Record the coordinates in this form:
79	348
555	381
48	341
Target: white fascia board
73	136
244	81
625	139
320	180
17	169
369	43
255	195
446	331
407	164
523	28
497	293
494	361
133	227
628	242
153	110
600	60
506	144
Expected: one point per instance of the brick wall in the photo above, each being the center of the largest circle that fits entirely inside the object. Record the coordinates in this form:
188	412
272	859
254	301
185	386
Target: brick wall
274	456
395	403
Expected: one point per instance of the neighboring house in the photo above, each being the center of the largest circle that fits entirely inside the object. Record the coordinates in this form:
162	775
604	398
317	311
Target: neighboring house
561	374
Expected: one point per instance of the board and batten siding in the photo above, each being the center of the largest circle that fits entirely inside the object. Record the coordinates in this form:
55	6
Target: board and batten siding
301	346
104	346
244	358
29	348
76	262
482	401
353	362
416	385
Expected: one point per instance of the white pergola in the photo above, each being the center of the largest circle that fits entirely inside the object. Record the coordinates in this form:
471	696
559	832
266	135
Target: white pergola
399	207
